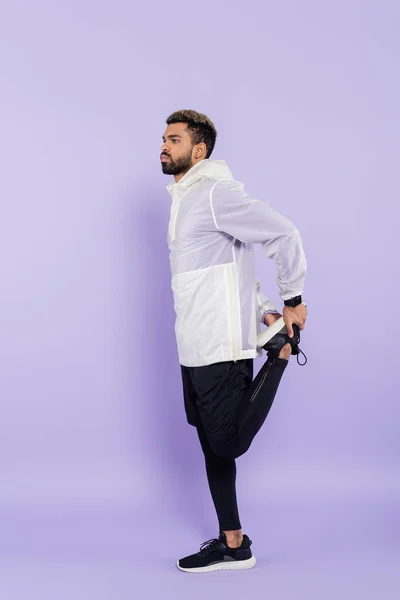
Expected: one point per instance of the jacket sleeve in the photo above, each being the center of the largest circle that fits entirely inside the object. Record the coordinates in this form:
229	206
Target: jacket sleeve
264	304
254	221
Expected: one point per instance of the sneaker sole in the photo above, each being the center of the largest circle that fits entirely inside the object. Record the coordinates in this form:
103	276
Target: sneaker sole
237	565
270	331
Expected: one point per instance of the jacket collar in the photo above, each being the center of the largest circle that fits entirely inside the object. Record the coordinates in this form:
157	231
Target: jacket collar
214	169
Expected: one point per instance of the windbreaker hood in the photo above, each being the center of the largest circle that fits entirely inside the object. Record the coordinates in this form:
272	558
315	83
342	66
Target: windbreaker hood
214	169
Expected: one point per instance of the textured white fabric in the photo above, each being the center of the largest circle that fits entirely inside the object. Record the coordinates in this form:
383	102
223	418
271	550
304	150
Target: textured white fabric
217	299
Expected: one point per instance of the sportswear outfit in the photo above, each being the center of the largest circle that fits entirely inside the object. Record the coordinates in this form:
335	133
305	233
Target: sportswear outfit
219	307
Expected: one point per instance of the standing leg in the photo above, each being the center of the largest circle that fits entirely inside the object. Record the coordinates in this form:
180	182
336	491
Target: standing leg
221	472
221	475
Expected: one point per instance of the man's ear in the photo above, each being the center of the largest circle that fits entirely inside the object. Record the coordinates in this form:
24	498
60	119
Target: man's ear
201	150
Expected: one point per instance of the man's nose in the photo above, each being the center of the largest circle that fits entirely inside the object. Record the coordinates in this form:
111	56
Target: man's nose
164	148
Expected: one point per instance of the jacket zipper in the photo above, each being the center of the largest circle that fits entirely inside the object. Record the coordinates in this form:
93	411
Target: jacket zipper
233	292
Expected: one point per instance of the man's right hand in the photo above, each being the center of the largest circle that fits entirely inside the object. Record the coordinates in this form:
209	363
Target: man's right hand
271	318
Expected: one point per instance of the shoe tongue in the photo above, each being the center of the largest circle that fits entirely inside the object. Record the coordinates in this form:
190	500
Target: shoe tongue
222	537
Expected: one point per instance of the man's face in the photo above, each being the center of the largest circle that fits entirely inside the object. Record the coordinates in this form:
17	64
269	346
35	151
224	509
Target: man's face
177	149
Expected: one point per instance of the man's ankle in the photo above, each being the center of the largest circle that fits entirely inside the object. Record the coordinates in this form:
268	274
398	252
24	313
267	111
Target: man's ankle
285	352
234	538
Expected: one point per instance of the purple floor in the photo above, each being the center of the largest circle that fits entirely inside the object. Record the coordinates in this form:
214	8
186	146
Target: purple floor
304	550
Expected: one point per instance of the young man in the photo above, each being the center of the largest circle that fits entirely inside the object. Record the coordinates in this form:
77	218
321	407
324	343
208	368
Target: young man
219	307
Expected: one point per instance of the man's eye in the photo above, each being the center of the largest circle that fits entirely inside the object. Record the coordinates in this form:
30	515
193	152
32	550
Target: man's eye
175	141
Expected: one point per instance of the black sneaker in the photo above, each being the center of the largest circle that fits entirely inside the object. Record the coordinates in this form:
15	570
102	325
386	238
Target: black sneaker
274	337
216	555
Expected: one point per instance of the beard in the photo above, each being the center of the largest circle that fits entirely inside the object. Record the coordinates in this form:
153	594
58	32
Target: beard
178	166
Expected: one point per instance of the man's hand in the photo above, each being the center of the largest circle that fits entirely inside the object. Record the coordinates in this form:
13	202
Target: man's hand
297	315
271	318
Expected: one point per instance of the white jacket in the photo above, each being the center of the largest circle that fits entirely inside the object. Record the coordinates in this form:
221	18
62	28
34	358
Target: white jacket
217	299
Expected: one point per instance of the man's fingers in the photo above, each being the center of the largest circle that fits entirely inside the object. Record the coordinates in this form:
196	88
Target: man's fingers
289	327
300	323
295	315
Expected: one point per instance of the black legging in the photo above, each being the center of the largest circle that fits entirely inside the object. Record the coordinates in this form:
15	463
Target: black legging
221	475
222	447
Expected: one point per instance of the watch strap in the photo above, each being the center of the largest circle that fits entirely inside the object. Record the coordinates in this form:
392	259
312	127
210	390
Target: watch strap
293	301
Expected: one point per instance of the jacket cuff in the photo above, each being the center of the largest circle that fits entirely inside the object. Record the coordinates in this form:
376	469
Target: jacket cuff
290	295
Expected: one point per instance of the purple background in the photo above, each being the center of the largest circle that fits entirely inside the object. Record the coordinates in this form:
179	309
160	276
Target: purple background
102	481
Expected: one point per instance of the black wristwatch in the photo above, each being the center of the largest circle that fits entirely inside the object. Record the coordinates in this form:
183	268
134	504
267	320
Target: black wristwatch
293	301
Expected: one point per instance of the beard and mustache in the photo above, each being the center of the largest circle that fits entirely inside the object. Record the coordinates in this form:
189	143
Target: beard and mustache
177	166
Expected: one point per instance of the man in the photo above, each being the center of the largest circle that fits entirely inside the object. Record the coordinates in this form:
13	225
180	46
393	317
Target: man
219	307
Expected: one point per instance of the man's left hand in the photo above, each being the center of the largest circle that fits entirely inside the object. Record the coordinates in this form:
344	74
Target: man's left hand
295	314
